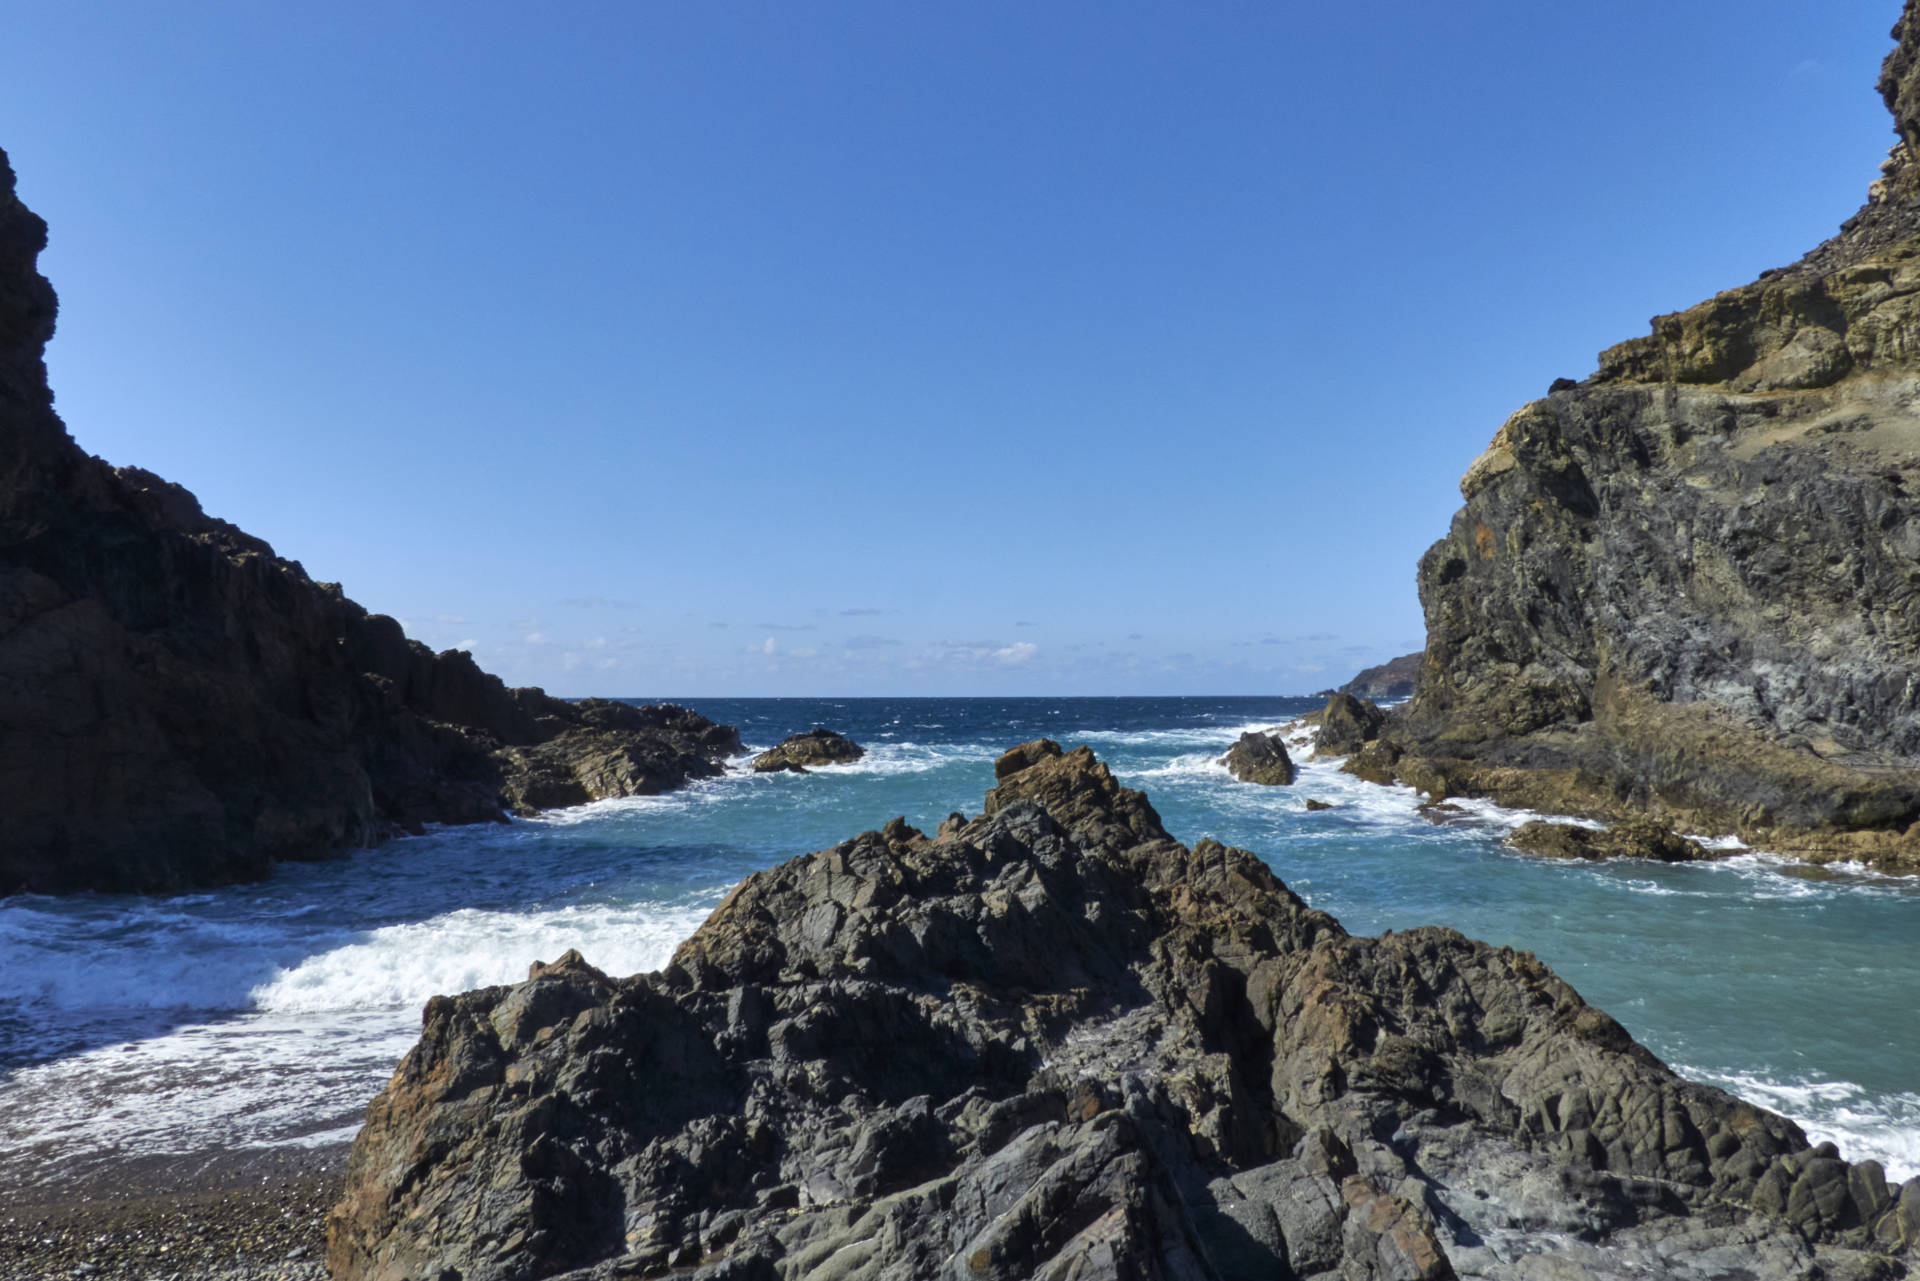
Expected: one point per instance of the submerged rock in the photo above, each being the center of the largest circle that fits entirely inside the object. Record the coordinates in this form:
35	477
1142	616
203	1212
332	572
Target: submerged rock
814	747
181	707
1685	587
1259	758
1622	840
1053	1041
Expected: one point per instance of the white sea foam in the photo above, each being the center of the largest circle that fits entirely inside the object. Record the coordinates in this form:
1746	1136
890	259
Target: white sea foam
321	1037
403	965
1883	1128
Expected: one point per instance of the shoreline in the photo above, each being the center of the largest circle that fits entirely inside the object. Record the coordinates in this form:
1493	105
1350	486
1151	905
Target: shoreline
248	1215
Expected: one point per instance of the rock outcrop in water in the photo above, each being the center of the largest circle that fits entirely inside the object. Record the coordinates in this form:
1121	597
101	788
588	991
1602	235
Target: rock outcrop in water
1054	1042
796	752
1259	758
1689	586
180	707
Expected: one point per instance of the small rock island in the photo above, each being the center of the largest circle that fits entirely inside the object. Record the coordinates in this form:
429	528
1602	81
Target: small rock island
796	753
1259	758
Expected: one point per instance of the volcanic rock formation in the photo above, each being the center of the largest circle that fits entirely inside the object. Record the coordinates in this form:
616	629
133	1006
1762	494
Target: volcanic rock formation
1259	758
1690	584
1054	1042
796	752
179	706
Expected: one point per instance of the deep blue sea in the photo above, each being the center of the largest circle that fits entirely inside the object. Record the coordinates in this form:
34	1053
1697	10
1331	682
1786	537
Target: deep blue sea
269	1014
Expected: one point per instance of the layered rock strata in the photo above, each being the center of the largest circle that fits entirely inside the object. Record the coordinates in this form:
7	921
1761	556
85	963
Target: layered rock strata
181	707
1689	585
797	752
1054	1042
1259	758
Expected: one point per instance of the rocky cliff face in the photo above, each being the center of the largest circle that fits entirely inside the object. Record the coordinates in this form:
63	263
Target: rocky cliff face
1688	584
179	706
1051	1041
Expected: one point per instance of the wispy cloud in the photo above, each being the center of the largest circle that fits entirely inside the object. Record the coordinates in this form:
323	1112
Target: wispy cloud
868	642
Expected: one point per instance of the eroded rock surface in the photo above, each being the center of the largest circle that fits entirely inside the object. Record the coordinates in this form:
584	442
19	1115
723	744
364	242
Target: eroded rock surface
1622	840
1054	1042
181	707
797	752
1689	585
1259	758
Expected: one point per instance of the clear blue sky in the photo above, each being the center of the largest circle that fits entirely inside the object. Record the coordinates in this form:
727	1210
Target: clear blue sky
870	348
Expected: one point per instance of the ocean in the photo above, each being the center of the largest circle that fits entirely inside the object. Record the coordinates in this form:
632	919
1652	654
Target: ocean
266	1016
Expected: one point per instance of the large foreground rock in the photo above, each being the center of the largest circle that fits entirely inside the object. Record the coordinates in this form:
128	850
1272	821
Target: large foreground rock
1054	1042
181	707
1689	585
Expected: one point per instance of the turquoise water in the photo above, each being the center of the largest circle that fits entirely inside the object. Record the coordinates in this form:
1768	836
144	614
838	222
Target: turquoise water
268	1014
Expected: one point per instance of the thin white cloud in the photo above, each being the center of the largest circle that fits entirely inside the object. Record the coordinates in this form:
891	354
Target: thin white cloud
1015	654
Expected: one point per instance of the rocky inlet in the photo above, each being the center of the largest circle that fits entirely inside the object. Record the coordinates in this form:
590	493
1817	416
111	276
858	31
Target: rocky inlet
1051	1040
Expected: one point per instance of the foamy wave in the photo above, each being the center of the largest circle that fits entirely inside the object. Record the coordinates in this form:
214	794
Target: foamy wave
1884	1129
403	965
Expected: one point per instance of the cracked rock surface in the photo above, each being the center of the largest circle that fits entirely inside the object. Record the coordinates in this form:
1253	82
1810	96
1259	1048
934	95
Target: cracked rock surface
1052	1041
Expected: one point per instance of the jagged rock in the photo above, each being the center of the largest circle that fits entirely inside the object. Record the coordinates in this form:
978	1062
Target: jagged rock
1053	1041
1259	758
814	747
1622	840
181	707
1688	587
1393	679
1347	724
1313	804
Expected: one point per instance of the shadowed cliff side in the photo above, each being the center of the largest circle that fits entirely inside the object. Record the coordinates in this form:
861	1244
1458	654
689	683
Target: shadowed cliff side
1051	1041
1687	585
180	707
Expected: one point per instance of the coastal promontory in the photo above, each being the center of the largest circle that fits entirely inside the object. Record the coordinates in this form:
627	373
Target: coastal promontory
1687	587
1053	1041
179	706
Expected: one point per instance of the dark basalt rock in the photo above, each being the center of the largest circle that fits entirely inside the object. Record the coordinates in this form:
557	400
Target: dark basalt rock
814	747
1394	679
1053	1041
1688	587
1259	758
1346	725
1622	840
181	707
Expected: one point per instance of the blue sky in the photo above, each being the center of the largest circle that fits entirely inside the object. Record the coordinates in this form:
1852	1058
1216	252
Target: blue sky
1060	348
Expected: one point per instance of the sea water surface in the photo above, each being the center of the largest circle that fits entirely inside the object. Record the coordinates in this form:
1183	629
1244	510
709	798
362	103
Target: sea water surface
267	1015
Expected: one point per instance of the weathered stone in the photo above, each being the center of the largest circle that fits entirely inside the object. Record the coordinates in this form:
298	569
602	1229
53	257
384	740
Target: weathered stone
1346	725
813	747
1622	840
1259	758
1052	1041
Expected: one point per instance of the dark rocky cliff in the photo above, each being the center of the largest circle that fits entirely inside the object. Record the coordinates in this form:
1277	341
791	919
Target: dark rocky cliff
1690	584
1051	1041
179	706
